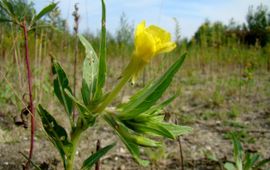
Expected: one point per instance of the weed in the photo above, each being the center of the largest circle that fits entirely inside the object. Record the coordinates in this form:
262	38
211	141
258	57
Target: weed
234	112
244	160
217	97
187	119
132	120
211	115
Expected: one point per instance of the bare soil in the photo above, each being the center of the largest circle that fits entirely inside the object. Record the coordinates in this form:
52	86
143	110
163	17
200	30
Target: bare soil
211	109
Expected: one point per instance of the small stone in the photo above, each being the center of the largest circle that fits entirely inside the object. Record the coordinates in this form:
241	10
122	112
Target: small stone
122	150
208	148
122	167
125	99
116	158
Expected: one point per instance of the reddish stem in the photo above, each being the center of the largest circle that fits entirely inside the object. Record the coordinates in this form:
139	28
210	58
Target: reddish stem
29	77
97	166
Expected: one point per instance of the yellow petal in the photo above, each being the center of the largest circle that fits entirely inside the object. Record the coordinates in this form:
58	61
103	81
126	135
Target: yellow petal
145	47
159	33
166	47
140	28
162	39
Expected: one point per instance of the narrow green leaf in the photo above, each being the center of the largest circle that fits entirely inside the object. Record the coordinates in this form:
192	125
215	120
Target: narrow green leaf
229	166
60	84
247	161
81	106
160	106
90	72
152	114
261	163
148	96
125	137
250	160
57	134
237	147
134	150
85	91
26	157
44	11
149	128
86	117
144	141
102	57
53	129
5	20
253	160
85	121
90	161
7	6
238	151
176	130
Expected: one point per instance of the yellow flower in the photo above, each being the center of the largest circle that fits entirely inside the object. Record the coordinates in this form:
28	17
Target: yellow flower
151	41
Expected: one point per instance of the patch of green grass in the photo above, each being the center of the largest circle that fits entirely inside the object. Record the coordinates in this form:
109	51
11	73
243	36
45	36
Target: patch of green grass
217	97
187	119
234	111
192	79
210	115
234	124
6	95
241	133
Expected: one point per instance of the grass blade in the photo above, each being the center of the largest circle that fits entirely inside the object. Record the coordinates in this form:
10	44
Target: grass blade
90	161
102	57
44	11
261	163
26	157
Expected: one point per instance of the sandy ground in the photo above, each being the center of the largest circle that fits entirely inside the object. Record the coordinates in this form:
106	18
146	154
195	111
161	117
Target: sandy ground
198	106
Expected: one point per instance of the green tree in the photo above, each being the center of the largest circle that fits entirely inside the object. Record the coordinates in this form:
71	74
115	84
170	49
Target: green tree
21	9
124	33
258	22
258	19
217	34
202	36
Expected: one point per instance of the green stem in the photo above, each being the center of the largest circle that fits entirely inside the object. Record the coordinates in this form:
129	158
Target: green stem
133	68
113	94
75	138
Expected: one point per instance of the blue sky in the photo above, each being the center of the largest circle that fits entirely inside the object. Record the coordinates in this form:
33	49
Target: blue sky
190	13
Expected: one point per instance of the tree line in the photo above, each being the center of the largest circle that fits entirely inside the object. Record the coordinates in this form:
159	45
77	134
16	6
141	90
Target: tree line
255	32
